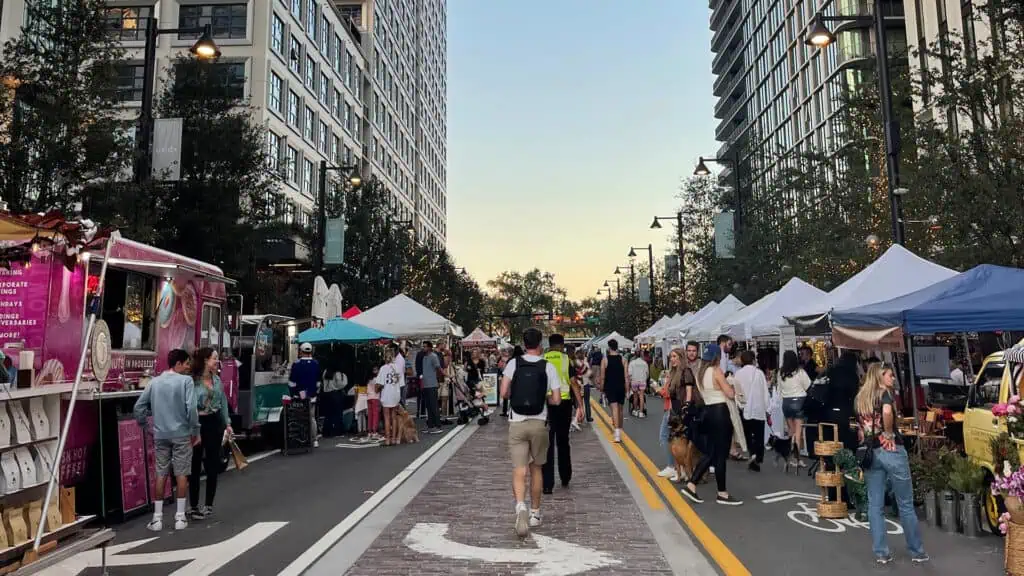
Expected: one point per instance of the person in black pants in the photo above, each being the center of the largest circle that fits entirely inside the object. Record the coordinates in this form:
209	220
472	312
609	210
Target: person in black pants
559	417
716	426
214	420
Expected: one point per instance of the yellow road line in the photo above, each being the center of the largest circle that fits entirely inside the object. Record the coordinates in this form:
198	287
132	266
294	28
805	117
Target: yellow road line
719	552
650	495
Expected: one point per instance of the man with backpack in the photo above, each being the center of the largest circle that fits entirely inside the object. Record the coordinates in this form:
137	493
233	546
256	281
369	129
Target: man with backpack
530	383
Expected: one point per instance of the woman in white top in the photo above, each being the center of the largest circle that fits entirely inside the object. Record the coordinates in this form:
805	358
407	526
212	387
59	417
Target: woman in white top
717	426
793	385
389	379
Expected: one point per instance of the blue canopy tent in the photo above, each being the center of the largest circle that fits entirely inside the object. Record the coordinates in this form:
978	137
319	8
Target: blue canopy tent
983	299
344	331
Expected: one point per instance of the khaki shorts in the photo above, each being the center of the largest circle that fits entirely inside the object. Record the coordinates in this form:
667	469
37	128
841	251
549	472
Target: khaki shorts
528	443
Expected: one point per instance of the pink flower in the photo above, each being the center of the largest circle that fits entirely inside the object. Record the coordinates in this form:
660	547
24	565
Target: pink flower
999	410
1015	399
1012	409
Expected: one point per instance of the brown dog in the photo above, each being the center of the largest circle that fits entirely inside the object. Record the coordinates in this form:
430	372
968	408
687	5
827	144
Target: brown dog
684	452
406	428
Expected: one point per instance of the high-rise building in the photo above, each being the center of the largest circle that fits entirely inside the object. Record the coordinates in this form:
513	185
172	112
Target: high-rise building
347	81
776	94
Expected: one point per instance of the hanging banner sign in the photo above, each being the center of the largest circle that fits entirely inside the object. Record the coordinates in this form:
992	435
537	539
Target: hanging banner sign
167	148
334	245
645	289
725	239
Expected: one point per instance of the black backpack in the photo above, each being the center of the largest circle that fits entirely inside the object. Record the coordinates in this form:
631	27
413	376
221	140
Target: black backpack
529	387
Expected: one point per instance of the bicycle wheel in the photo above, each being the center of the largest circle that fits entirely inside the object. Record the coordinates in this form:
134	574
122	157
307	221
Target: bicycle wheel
813	521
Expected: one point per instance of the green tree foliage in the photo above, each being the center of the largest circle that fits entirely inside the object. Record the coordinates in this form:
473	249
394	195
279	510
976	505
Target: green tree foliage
514	295
60	128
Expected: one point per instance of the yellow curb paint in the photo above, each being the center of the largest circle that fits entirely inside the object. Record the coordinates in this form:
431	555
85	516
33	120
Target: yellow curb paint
719	552
648	491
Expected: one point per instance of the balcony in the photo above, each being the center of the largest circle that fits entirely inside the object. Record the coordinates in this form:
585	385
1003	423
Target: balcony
721	10
725	105
726	83
734	60
730	43
724	33
734	120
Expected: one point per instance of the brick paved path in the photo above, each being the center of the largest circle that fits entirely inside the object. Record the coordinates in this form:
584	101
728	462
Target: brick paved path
473	495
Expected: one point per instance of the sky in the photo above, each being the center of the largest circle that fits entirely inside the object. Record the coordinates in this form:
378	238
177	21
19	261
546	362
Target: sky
570	126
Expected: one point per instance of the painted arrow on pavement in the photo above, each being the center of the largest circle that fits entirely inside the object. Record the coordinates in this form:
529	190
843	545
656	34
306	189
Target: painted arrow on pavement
201	561
551	557
787	495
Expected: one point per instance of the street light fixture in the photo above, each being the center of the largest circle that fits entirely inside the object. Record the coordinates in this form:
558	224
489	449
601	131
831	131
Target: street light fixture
656	225
702	170
321	210
820	36
204	49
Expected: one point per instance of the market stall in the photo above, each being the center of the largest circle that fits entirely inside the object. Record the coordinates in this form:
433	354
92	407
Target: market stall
479	339
706	329
765	320
648	335
408	319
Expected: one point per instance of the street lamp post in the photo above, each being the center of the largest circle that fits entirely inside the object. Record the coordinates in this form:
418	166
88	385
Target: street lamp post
204	49
321	210
650	274
679	238
702	170
820	36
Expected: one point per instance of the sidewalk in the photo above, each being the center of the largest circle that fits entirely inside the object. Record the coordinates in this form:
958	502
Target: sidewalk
461	521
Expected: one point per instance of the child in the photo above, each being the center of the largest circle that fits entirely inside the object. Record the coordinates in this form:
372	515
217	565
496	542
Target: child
373	405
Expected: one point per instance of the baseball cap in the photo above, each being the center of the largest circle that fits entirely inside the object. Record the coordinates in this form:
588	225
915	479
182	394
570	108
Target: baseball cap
306	347
710	351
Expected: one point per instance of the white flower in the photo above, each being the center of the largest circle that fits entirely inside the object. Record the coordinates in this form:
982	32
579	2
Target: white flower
1006	468
1012	419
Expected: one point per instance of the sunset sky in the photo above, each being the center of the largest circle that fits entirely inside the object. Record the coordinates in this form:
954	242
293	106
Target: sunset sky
570	125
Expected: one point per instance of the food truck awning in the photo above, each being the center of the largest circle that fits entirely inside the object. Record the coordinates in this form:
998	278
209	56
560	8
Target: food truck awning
166	269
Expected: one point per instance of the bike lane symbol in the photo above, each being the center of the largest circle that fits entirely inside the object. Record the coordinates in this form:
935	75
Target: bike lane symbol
806	514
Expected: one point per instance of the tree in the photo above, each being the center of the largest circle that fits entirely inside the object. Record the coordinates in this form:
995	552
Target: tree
514	296
61	130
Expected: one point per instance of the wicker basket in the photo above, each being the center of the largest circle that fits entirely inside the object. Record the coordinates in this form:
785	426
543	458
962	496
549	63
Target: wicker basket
825	448
827	479
1014	549
835	510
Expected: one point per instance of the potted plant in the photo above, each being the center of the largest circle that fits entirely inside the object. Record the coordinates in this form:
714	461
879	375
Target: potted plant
947	497
853	481
968	480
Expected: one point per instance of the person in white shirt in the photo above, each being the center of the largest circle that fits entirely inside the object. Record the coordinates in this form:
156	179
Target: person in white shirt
389	378
530	383
399	363
639	373
956	374
752	385
793	384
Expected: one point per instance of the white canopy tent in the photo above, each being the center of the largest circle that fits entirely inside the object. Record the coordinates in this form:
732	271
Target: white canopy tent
671	331
705	330
742	313
407	318
896	272
765	321
647	336
623	342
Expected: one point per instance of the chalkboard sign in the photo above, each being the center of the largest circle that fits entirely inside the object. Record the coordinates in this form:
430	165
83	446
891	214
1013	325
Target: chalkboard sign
297	433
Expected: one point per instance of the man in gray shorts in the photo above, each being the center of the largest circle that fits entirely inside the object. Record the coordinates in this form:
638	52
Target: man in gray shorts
171	400
536	385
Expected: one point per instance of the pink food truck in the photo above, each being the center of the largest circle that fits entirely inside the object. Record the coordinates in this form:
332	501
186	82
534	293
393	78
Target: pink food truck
147	302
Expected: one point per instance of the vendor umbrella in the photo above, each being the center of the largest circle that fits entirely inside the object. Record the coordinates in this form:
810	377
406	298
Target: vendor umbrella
341	330
351	312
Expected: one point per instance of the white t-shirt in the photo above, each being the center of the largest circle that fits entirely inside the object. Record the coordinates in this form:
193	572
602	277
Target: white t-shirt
388	378
399	364
957	376
554	386
796	385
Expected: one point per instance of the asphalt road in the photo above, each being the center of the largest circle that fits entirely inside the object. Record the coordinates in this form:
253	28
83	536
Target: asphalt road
765	538
266	515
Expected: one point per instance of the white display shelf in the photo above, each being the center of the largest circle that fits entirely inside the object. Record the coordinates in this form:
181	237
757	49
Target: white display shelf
48	390
29	443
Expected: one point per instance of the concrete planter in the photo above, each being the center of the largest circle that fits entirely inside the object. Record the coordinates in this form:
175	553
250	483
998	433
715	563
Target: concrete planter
931	508
948	511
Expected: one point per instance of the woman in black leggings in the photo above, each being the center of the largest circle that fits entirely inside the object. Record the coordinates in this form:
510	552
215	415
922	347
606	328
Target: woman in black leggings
716	426
214	421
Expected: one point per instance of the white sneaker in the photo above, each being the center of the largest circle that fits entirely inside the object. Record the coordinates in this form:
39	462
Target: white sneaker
618	437
535	519
155	525
666	472
316	443
675	477
179	522
522	521
711	469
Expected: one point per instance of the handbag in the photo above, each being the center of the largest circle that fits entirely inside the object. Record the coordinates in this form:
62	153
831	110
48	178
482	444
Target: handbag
236	454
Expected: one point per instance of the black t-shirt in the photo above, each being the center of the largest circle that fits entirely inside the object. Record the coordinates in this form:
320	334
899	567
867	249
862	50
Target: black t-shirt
595	358
419	362
877	423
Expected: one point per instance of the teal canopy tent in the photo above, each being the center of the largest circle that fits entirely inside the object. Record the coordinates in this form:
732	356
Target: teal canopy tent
344	331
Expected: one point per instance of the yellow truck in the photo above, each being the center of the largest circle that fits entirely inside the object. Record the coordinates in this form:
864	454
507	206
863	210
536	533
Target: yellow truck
998	380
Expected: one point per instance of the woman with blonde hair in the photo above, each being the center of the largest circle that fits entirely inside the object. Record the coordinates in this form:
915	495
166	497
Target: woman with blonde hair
673	381
886	463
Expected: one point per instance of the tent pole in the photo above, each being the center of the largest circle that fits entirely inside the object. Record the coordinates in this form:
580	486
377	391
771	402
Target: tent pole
913	387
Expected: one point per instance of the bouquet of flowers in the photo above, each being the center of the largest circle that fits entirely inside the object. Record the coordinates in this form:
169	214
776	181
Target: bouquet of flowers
1009	485
1013	412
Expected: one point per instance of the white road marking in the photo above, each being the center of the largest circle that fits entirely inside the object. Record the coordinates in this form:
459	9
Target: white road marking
787	495
321	546
551	557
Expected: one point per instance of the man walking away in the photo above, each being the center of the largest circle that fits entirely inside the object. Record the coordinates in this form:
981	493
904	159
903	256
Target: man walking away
639	374
430	367
560	417
613	377
751	383
170	399
530	383
595	378
303	382
418	364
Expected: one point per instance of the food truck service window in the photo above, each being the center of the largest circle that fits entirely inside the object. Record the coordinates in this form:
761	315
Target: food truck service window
212	328
128	306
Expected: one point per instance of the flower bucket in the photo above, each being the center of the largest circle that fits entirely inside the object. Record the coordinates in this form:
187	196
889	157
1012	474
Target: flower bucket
931	508
969	512
948	511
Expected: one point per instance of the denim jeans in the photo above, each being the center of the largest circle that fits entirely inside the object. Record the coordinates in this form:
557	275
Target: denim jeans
663	432
893	469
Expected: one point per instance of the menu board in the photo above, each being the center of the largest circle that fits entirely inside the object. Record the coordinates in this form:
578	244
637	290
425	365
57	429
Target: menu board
133	465
24	292
151	466
297	431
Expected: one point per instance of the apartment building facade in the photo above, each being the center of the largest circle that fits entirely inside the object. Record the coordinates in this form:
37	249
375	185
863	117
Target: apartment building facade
775	94
319	77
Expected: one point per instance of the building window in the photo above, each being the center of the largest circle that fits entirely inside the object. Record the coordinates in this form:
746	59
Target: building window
277	34
295	57
325	90
311	19
225	20
324	137
336	150
325	35
293	109
339	47
311	73
307	124
292	163
347	159
274	98
129	23
273	151
357	129
130	82
297	9
228	77
347	121
307	177
349	70
339	101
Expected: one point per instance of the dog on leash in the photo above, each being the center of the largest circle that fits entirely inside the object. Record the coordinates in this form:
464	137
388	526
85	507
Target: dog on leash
782	448
683	450
406	427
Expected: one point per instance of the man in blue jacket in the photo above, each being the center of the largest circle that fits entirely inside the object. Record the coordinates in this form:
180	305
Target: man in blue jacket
303	382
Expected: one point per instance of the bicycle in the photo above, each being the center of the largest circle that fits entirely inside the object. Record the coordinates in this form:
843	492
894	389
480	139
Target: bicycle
808	516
